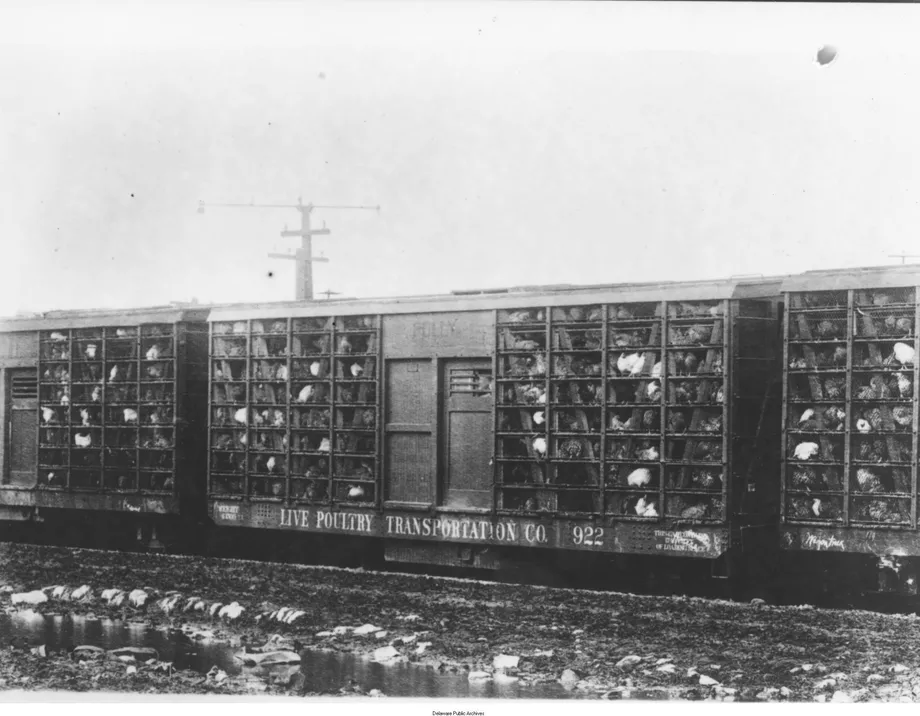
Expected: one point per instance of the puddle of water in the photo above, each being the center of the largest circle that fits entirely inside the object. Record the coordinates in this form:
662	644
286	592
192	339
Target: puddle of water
323	671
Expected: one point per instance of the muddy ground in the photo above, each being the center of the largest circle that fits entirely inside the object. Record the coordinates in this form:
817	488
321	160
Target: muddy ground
615	645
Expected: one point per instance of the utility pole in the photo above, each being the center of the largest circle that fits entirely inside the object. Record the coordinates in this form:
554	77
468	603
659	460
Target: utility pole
904	257
304	254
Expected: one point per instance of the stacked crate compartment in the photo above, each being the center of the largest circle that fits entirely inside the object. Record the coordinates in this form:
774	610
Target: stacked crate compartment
311	411
883	424
355	405
294	409
523	411
851	409
576	391
817	401
696	428
108	408
635	400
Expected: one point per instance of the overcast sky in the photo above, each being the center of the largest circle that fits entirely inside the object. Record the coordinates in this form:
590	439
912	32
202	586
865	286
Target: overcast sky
507	144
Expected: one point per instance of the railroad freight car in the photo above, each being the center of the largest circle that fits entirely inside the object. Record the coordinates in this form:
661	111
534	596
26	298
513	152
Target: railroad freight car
105	414
471	428
849	472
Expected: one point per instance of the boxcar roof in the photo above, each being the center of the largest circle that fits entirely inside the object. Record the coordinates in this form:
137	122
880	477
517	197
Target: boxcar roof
868	277
473	300
96	317
510	298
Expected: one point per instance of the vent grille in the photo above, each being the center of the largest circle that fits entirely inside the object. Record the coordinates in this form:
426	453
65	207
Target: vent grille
470	380
25	387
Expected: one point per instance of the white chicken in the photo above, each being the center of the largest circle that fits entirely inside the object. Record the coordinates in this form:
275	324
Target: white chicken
816	507
356	492
84	417
806	450
646	508
304	395
627	362
130	415
534	395
356	370
153	352
65	399
863	426
241	416
807	415
539	446
656	370
650	453
270	465
81	440
905	387
539	418
324	446
114	373
638	366
653	390
282	373
55	336
315	368
97	394
48	415
903	354
639	478
90	351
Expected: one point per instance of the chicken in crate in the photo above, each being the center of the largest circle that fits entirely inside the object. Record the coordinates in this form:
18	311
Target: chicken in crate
850	457
118	401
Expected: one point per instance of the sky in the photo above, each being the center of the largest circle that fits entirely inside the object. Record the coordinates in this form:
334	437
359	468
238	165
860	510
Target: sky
507	144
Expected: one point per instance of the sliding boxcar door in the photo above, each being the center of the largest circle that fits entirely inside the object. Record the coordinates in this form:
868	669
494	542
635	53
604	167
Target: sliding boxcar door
467	433
410	416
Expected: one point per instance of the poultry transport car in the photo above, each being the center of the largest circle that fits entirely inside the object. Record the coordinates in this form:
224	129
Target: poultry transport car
460	429
104	412
849	472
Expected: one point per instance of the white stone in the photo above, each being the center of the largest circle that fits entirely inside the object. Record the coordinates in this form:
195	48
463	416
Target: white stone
34	597
899	669
842	697
366	629
757	601
707	681
667	669
569	678
381	634
577	632
215	607
422	647
503	678
231	611
505	661
409	618
785	692
269	658
138	598
385	654
58	592
479	676
322	634
375	693
629	661
826	684
340	630
294	616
